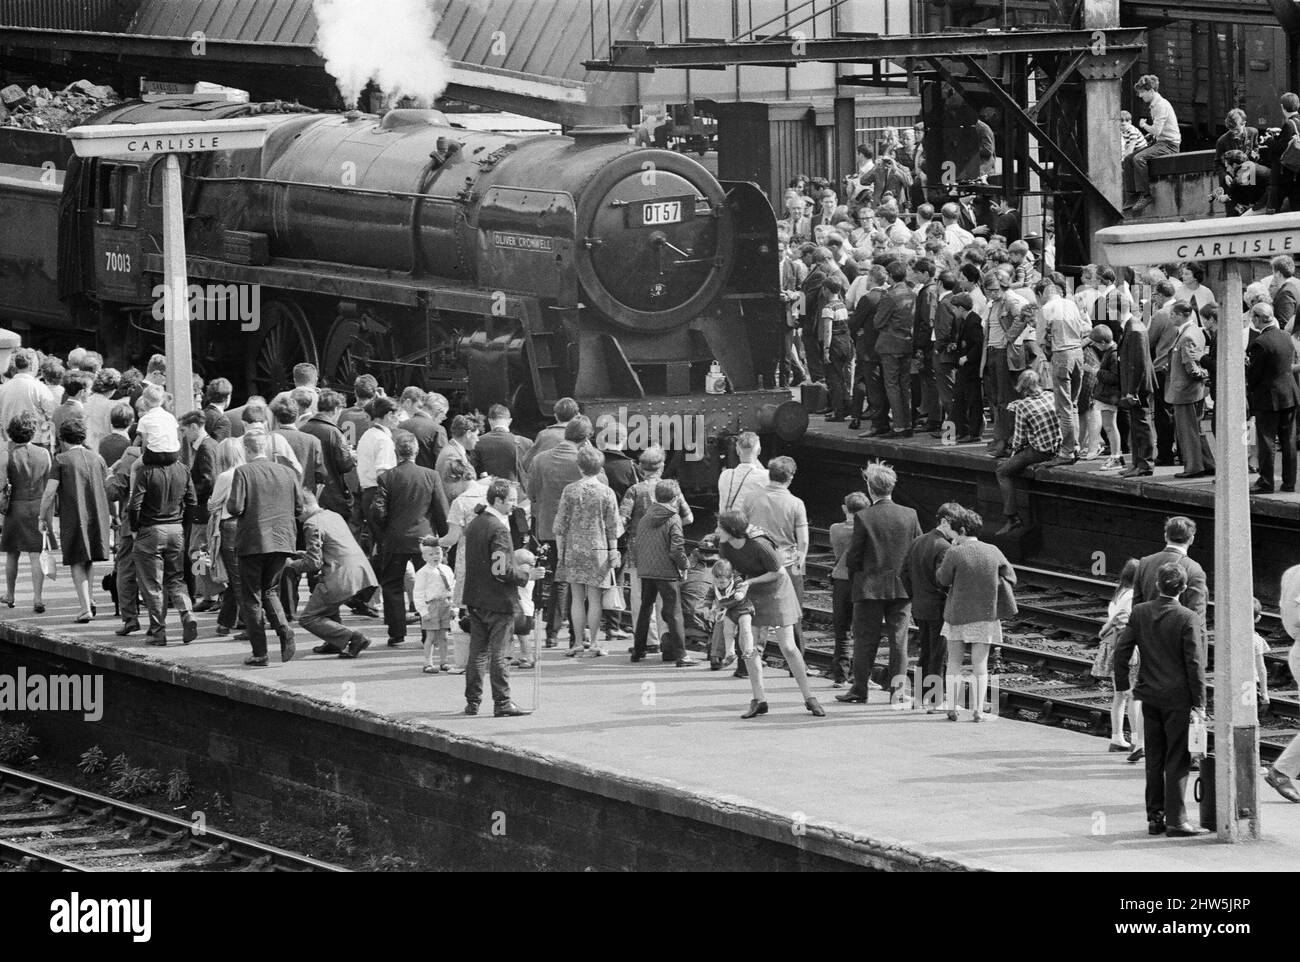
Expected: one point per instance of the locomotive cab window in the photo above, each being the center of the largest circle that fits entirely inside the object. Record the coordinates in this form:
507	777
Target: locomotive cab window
117	190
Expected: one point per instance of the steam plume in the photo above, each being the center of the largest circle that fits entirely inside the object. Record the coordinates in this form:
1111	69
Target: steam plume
388	41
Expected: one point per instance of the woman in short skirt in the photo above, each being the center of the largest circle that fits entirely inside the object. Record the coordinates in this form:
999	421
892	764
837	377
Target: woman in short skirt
979	579
26	473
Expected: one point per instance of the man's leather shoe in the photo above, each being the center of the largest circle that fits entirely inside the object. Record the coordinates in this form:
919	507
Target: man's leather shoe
189	631
127	629
756	708
365	611
1137	473
256	662
325	650
1259	487
395	642
1137	754
156	642
1187	475
471	709
510	710
1155	828
636	658
287	649
207	604
1285	787
223	630
897	435
356	645
686	662
1185	830
1287	489
851	699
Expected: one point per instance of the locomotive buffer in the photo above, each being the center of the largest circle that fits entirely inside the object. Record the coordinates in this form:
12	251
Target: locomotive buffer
143	142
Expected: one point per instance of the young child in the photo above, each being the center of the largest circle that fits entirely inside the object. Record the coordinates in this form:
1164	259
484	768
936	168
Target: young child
841	589
1261	670
730	598
434	584
524	612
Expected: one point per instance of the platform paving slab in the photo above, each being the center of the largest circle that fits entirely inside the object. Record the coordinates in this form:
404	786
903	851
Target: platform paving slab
907	788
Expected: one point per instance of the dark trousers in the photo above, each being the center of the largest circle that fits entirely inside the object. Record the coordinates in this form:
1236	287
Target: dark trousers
1168	762
1193	447
925	389
934	652
945	383
672	643
1137	179
1280	425
228	615
557	605
842	620
838	383
321	617
392	585
1000	385
259	598
1141	430
1011	468
489	643
1164	420
871	619
968	403
897	372
870	400
160	570
128	588
369	535
812	351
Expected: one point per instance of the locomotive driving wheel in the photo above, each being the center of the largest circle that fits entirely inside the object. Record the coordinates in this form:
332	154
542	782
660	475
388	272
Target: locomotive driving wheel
354	348
284	339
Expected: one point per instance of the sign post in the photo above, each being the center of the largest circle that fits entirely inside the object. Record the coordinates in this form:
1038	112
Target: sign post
1236	725
142	142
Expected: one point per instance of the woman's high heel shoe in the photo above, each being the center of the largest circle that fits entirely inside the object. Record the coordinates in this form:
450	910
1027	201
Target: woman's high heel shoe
756	707
9	602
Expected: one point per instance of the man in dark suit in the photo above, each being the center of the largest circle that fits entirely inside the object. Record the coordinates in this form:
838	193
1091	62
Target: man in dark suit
1286	294
1137	384
425	423
1186	392
1271	393
944	336
920	581
1180	533
266	498
893	321
1171	687
199	454
499	453
925	390
821	266
409	505
882	535
491	583
337	457
1161	336
869	397
565	410
216	398
306	447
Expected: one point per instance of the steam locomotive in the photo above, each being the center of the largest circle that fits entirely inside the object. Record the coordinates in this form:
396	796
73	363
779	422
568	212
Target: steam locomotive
516	269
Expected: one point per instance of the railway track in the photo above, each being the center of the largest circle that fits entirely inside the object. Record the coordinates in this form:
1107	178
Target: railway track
46	826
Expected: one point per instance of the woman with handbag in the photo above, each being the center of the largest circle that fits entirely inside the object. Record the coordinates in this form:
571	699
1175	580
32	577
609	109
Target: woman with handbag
980	583
1117	614
587	527
26	473
76	486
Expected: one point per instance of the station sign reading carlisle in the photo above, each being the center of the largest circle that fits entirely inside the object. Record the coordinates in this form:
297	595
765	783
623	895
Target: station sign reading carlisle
1214	239
152	140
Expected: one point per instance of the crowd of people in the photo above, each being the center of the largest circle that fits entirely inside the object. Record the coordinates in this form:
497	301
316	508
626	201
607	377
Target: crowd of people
230	509
1258	172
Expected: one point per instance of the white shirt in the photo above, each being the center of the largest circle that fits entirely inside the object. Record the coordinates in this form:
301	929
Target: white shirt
1199	298
1164	122
432	583
159	432
98	407
375	453
23	394
957	238
736	485
1066	325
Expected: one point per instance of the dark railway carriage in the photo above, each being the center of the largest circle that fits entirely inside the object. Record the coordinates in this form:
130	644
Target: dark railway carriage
515	268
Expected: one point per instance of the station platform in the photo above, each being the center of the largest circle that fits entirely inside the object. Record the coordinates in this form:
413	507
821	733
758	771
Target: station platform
866	787
1078	517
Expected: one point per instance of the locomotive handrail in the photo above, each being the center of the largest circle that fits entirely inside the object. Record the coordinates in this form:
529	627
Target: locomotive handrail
410	194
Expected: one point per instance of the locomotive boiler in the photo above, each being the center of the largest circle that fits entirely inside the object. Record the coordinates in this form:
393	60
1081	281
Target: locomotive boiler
515	269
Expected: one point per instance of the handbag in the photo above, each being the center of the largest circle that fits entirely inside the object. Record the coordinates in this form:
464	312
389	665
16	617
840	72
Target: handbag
611	596
49	567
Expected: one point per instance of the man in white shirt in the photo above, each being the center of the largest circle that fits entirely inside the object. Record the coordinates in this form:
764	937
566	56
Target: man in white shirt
1162	130
1061	333
736	485
24	393
376	452
158	430
956	238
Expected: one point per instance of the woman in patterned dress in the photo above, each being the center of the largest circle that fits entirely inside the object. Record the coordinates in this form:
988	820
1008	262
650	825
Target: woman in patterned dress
27	471
587	527
76	485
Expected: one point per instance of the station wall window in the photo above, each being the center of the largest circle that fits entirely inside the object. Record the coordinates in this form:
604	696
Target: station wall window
117	191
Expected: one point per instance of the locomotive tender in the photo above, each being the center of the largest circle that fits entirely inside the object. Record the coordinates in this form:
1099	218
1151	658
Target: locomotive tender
519	269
